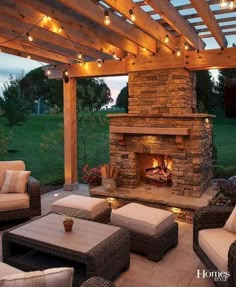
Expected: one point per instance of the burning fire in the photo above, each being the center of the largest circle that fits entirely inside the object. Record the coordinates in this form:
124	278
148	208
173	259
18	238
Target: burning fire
155	162
167	163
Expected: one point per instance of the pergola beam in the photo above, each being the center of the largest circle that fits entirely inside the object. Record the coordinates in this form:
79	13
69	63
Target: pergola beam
30	16
58	11
143	21
25	50
118	25
192	60
209	19
169	13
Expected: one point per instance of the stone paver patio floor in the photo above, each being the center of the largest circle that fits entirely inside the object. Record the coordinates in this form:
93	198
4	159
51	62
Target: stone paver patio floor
178	268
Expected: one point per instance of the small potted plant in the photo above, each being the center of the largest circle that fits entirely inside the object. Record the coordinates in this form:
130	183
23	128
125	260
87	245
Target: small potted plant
68	223
92	176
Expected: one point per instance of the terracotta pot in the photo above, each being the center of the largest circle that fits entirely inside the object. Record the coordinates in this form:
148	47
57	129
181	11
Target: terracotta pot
68	225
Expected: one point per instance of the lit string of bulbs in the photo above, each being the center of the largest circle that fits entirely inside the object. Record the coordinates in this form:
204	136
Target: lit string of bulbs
227	4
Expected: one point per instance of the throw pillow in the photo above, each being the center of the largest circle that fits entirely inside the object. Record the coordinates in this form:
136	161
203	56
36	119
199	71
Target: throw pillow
230	224
53	277
15	181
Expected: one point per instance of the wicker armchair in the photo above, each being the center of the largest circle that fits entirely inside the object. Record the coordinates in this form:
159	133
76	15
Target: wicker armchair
33	189
97	282
214	217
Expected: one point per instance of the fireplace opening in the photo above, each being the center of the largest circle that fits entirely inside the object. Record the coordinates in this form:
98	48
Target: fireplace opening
156	169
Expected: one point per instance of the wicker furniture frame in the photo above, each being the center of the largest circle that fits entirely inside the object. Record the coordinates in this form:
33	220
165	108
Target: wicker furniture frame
154	247
103	217
97	282
33	189
214	217
107	259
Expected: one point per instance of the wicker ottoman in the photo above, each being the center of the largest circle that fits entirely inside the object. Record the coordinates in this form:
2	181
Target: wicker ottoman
152	230
90	208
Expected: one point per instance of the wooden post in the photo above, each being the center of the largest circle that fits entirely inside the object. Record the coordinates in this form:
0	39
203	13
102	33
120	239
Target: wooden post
70	135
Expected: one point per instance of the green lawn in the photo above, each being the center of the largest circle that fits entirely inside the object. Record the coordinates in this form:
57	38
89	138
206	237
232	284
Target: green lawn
93	144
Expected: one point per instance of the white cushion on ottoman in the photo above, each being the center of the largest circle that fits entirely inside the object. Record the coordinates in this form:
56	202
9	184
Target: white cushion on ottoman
80	206
6	270
141	218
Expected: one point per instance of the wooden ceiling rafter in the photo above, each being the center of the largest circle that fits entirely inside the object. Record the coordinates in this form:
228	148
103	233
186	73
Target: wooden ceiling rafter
168	12
208	17
46	35
117	25
58	12
30	16
143	21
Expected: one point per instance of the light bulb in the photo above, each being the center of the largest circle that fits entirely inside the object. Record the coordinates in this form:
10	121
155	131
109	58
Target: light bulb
28	57
223	3
231	4
99	63
186	46
80	55
132	16
60	29
48	71
167	39
30	38
178	53
66	72
107	19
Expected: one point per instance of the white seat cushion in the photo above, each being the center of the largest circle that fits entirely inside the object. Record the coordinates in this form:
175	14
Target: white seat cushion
80	206
12	165
6	270
12	201
141	218
215	243
53	277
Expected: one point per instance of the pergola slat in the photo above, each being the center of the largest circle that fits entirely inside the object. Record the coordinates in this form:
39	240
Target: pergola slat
118	25
174	19
56	11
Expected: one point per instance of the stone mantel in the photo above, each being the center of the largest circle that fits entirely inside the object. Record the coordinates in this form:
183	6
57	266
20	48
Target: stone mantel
161	115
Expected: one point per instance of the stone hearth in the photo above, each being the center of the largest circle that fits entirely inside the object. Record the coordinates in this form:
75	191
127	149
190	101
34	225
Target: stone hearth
161	120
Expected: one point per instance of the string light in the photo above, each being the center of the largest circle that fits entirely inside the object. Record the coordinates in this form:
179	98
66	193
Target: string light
167	39
66	73
186	46
60	29
48	72
132	16
231	4
99	63
107	19
30	38
29	57
178	53
227	4
80	56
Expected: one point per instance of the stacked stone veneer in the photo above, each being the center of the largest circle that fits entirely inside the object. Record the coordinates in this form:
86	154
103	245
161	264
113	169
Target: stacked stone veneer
163	99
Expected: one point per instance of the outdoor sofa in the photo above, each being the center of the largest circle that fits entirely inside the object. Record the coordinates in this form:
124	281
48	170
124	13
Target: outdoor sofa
215	245
7	271
18	205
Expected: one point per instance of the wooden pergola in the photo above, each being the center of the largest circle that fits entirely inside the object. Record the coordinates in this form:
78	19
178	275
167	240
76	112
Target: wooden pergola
136	35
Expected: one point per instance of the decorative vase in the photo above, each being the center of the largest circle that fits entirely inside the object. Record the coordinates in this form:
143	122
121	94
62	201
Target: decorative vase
68	225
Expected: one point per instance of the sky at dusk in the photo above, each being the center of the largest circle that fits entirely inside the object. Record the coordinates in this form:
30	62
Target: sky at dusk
17	65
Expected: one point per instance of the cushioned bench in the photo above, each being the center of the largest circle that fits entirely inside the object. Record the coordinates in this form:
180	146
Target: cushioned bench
152	230
90	208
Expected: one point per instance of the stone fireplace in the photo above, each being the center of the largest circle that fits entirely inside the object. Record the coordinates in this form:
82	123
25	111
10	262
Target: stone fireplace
162	124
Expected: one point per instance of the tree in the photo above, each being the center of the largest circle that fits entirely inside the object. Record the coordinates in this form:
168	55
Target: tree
92	94
15	106
36	86
122	99
207	101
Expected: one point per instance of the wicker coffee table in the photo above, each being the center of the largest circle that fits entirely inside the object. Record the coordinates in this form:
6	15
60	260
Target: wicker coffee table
92	248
